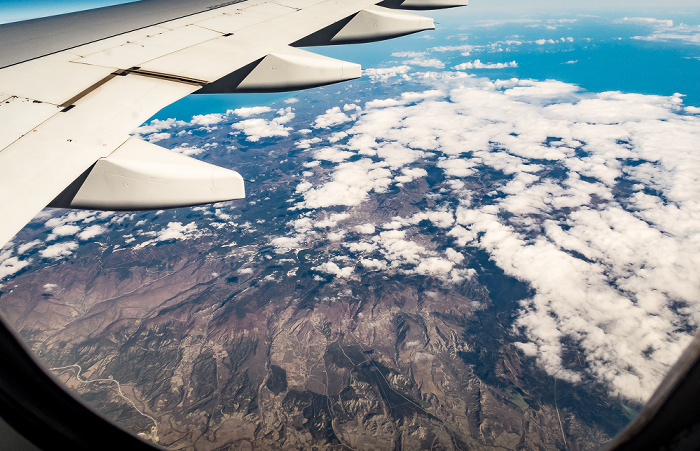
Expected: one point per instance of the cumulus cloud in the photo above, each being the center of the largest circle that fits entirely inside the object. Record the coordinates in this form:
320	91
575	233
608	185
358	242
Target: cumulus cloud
332	220
160	136
91	232
250	111
365	228
554	41
174	231
65	230
333	269
10	264
157	125
350	185
457	167
59	250
188	150
333	116
419	59
207	119
258	128
22	248
383	74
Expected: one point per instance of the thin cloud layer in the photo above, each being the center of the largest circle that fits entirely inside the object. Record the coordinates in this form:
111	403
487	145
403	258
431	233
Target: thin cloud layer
665	30
477	64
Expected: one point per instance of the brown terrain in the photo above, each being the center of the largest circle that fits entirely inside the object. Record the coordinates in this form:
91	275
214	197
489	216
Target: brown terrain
172	343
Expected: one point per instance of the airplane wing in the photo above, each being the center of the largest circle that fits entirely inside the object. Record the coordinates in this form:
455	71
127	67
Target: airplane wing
73	87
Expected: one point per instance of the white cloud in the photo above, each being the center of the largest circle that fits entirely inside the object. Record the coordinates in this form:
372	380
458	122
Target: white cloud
457	167
454	48
647	21
419	59
553	41
258	128
477	64
333	116
59	250
411	174
188	150
207	119
373	264
64	230
386	73
454	256
350	185
174	231
250	111
91	232
362	247
21	249
332	220
155	137
368	229
157	125
334	269
303	186
332	155
10	265
665	30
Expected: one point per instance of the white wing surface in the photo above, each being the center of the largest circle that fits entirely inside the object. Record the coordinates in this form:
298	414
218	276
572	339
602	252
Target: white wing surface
73	87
